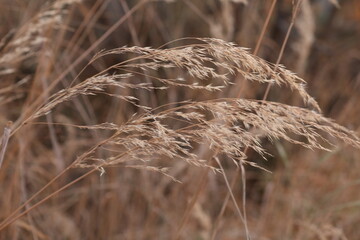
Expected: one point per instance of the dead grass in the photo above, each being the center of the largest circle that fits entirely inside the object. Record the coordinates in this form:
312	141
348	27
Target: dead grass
162	126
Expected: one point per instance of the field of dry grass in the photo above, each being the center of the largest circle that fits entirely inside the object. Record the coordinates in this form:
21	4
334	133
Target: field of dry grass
155	119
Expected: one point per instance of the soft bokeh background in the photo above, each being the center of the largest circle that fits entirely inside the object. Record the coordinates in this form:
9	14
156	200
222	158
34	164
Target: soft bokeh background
307	195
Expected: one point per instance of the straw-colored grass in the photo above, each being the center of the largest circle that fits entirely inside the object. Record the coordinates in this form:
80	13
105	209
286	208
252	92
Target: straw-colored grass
166	127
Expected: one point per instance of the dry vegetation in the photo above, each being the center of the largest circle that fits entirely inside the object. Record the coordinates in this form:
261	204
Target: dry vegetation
193	137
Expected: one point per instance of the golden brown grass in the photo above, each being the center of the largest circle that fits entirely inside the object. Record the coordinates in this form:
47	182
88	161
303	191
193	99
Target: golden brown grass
162	126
